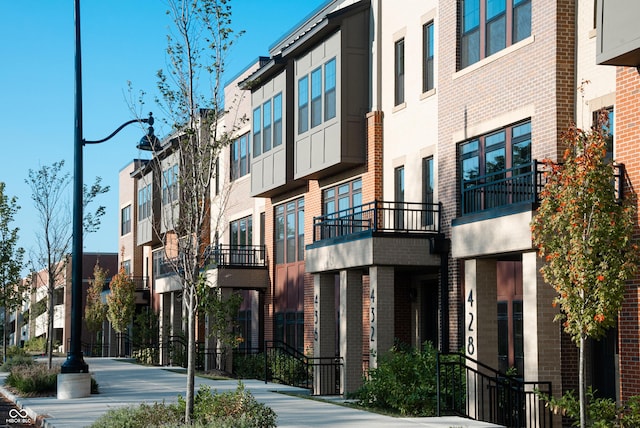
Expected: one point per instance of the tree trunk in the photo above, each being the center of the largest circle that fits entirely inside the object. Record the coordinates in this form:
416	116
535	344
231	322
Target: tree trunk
50	328
191	354
581	382
4	337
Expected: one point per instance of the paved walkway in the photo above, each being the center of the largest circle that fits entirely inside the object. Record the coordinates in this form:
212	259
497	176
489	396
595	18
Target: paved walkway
122	383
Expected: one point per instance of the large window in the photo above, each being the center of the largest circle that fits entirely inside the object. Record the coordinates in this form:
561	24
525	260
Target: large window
240	154
144	202
317	96
342	196
490	167
289	230
489	26
241	231
399	71
125	220
267	125
170	185
427	54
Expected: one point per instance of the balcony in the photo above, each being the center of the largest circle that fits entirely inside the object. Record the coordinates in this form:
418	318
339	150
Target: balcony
236	255
496	210
376	233
503	188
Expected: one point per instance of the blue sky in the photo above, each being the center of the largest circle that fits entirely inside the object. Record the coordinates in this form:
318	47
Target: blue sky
122	40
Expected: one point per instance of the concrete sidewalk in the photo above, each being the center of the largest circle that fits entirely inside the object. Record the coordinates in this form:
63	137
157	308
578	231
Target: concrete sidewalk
123	383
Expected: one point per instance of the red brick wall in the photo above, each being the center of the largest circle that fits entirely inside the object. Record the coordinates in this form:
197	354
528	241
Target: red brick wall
627	133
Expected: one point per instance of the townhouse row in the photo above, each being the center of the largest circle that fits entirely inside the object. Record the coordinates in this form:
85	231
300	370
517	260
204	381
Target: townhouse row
382	187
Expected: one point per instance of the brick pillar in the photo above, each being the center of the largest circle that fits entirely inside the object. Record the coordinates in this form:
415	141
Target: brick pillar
381	312
324	331
351	330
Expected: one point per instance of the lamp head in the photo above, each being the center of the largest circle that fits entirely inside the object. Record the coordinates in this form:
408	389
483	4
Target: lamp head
149	142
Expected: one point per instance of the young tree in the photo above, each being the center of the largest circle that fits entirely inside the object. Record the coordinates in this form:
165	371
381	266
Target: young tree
49	193
584	229
95	310
196	52
121	303
12	289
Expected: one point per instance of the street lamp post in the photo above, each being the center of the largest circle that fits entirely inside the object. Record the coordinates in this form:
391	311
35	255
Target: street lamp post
75	362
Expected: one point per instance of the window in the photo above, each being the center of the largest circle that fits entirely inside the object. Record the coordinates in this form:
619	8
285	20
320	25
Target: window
277	120
604	118
345	200
170	185
303	105
257	128
289	230
126	265
427	189
399	72
427	53
266	126
240	154
241	231
398	175
343	196
316	97
330	90
495	168
319	89
125	220
479	39
243	329
144	202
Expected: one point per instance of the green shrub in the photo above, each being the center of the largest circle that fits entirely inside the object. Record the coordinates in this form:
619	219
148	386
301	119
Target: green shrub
601	412
238	407
404	382
33	379
250	366
233	409
15	351
36	344
143	415
148	356
16	360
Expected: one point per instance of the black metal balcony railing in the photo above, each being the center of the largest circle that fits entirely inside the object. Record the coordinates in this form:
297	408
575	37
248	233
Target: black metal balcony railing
521	184
379	216
505	187
236	255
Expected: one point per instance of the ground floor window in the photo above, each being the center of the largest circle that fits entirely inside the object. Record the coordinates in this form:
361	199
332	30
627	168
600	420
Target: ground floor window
244	329
289	328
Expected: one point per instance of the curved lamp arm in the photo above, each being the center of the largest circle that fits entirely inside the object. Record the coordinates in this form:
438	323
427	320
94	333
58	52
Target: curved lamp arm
149	120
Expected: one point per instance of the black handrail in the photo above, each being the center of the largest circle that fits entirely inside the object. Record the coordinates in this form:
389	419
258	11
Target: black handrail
287	365
472	389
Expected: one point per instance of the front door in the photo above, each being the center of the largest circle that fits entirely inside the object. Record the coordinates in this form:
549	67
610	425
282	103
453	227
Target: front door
510	315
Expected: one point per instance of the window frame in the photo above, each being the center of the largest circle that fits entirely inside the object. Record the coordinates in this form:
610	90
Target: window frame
238	161
428	56
317	96
399	72
144	202
291	211
125	220
477	24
